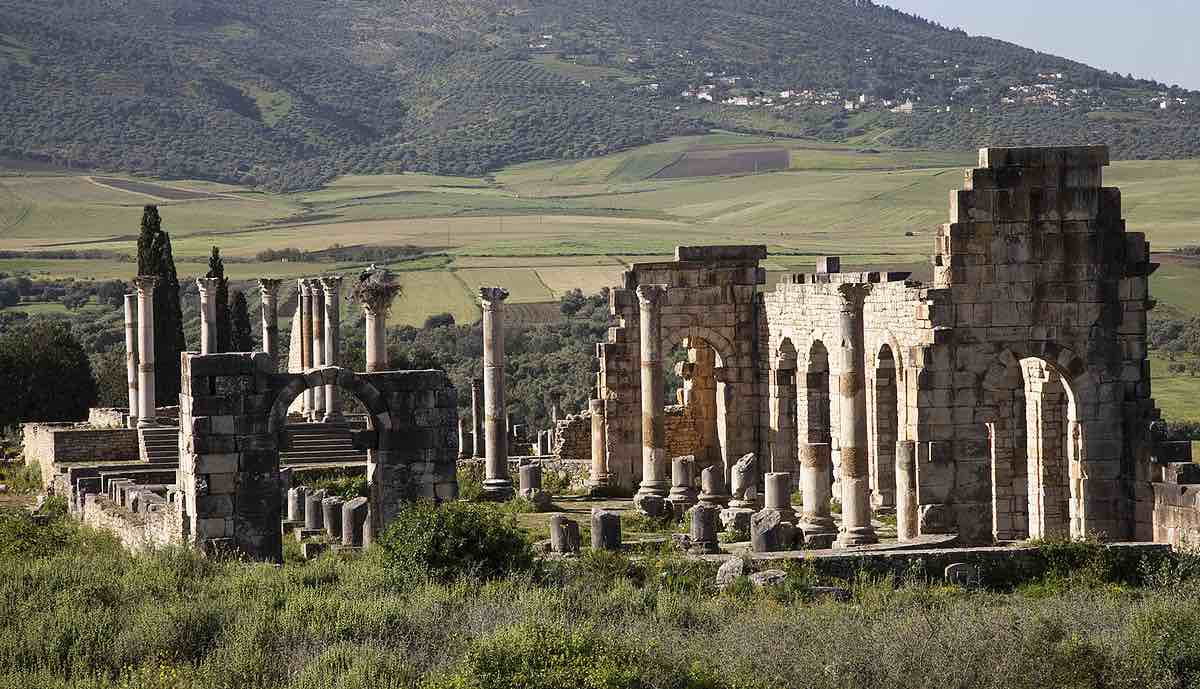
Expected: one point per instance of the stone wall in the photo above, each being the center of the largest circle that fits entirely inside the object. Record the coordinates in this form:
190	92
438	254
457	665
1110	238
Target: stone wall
47	443
682	436
573	437
136	531
108	417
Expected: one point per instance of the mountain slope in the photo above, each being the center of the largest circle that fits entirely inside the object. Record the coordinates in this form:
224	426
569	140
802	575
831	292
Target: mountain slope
290	94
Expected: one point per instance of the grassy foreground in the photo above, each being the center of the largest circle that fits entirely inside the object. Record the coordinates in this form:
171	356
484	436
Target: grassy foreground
80	612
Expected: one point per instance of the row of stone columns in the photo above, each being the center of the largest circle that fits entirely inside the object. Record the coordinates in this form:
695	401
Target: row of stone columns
320	336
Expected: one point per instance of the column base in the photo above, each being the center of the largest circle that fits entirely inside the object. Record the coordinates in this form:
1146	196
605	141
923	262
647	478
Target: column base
497	489
863	535
819	532
144	422
657	488
334	417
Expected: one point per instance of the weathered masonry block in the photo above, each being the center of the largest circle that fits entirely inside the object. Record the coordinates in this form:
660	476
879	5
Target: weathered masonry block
233	413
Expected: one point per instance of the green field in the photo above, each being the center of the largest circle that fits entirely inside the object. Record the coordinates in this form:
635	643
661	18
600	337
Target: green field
541	229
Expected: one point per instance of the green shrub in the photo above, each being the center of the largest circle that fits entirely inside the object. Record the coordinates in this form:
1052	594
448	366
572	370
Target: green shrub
456	539
345	487
470	481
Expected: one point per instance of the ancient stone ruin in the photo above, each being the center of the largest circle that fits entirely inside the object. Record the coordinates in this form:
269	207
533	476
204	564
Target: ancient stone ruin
1009	399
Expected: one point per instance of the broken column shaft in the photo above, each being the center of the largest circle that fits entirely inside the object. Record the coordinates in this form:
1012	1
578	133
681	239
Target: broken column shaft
600	477
477	433
497	484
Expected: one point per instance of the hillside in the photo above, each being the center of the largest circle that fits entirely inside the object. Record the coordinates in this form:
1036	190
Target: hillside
289	95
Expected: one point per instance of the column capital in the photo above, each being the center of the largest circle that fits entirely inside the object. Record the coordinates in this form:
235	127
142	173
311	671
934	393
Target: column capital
376	297
269	287
651	295
331	284
477	384
208	286
303	287
315	288
145	284
853	294
492	297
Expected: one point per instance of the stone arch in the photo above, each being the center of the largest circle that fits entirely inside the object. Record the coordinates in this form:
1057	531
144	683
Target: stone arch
672	337
1037	440
379	418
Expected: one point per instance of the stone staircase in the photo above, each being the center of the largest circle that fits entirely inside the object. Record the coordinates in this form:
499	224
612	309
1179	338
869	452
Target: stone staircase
159	445
317	443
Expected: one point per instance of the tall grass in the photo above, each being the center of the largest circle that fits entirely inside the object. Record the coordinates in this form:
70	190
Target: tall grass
81	612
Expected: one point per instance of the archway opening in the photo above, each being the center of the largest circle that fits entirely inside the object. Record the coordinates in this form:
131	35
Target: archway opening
1052	433
1035	442
695	401
884	430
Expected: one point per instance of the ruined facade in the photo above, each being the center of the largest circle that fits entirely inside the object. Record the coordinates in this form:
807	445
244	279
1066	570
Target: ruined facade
1015	388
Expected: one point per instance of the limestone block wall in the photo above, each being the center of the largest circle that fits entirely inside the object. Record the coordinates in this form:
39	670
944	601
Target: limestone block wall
47	443
108	417
136	531
800	324
1036	263
1177	515
683	438
573	437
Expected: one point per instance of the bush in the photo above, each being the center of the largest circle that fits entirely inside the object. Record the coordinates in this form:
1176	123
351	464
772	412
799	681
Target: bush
455	540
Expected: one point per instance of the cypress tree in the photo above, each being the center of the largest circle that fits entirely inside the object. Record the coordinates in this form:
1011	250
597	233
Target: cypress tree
155	258
216	269
242	339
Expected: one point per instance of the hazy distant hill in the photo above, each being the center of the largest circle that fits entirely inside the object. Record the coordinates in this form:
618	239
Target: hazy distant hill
288	94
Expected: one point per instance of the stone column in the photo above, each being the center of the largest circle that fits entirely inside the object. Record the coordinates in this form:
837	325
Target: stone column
600	477
856	503
304	295
269	289
332	287
317	300
147	406
376	304
654	441
208	313
497	484
131	357
906	490
816	492
778	491
477	417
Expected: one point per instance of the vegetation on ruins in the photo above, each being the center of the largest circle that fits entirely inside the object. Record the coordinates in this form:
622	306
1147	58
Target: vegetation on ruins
456	540
45	374
81	611
291	94
241	337
155	258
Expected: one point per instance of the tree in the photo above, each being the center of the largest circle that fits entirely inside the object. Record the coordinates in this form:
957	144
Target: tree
155	258
44	373
112	386
111	292
216	269
242	335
